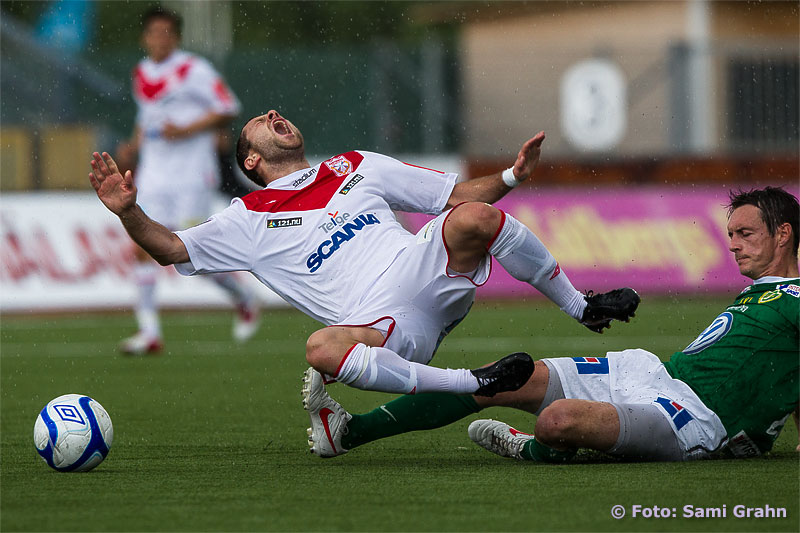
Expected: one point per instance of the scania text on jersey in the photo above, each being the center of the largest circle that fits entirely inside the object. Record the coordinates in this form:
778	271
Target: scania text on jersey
339	237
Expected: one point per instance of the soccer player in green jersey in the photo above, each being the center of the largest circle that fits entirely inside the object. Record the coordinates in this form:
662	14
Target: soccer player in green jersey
730	391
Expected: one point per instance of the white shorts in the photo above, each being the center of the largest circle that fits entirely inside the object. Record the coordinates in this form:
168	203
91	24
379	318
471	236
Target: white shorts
417	301
639	377
177	210
177	186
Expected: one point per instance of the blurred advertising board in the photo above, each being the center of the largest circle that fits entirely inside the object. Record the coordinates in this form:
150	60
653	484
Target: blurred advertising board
66	251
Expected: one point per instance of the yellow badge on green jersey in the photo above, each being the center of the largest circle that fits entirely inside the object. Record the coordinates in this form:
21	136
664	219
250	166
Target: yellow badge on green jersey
769	296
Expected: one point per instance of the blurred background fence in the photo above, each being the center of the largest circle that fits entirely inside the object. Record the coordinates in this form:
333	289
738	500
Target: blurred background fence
690	93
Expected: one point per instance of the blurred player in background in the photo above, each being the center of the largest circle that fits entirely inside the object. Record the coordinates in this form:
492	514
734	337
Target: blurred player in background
182	104
325	239
731	390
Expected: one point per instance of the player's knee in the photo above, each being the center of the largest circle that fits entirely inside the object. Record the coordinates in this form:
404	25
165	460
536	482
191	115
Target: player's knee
477	220
317	350
555	423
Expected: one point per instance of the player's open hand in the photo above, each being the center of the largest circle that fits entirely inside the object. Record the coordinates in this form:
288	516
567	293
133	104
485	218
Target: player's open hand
528	157
117	192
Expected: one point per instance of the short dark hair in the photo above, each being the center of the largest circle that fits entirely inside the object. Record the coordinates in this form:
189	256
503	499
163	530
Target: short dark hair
776	205
159	12
243	147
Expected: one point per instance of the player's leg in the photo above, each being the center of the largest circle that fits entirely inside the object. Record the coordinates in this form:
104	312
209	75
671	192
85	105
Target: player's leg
473	228
355	356
148	336
568	424
654	417
247	313
191	207
628	431
403	414
560	430
146	271
411	413
561	421
334	431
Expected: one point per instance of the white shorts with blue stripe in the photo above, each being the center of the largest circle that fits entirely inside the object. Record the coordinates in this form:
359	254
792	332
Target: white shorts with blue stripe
639	377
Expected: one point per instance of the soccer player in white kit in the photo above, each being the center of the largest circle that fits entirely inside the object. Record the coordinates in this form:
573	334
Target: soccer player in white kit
182	102
325	238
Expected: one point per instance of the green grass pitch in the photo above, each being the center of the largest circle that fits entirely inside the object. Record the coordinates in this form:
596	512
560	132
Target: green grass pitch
211	436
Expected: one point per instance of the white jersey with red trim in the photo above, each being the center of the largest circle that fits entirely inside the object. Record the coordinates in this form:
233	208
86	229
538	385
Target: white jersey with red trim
179	90
321	237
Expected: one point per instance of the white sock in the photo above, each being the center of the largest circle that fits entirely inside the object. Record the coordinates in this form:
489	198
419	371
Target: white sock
230	283
381	369
526	258
145	274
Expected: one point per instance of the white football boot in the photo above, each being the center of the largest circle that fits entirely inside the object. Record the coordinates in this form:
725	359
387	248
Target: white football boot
246	321
141	344
328	418
498	437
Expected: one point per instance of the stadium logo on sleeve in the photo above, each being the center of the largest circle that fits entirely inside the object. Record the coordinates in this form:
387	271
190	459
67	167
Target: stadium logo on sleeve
304	177
339	165
284	222
350	184
591	365
718	329
680	416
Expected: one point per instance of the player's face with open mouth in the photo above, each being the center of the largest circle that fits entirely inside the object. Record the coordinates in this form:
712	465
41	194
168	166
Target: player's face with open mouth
272	128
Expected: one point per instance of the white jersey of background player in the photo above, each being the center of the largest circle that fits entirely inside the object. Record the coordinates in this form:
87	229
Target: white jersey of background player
178	91
387	296
182	102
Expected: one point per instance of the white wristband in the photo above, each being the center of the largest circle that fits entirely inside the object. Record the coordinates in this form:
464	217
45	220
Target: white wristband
509	178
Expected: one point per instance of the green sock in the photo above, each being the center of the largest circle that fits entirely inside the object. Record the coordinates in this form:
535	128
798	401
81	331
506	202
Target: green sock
534	450
408	413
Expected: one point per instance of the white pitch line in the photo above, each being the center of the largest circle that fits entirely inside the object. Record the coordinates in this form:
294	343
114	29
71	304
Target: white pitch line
34	324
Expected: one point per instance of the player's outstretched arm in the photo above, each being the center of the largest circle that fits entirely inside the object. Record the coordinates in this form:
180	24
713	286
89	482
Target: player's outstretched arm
491	188
118	194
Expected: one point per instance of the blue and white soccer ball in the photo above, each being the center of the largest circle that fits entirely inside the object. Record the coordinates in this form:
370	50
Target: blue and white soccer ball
73	433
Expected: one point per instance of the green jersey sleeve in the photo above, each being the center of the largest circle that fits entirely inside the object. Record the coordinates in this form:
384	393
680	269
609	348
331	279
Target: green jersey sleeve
745	365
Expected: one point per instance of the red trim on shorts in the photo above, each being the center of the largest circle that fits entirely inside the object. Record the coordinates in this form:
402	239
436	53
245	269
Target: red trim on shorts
499	229
385	340
447	250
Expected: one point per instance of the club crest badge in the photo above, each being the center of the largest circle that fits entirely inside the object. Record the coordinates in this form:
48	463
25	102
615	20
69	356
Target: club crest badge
339	165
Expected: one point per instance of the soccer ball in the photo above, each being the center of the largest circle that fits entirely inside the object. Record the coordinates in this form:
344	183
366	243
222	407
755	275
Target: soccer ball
73	433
